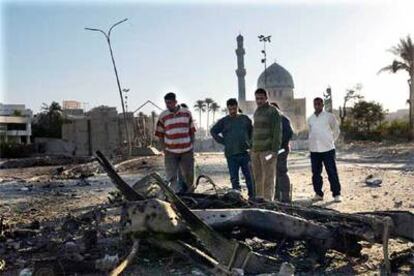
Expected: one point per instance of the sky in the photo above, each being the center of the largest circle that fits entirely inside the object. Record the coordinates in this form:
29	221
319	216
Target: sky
189	47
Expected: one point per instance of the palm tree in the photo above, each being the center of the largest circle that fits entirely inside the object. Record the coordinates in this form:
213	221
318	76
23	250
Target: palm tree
214	107
208	102
200	106
404	53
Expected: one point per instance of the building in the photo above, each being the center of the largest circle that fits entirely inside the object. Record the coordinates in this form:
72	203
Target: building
72	108
15	123
68	104
279	84
400	114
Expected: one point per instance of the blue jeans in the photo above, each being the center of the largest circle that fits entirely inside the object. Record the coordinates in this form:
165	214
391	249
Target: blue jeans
326	159
235	162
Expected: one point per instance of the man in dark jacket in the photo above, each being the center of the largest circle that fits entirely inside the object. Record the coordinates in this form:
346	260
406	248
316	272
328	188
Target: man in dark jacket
283	187
235	132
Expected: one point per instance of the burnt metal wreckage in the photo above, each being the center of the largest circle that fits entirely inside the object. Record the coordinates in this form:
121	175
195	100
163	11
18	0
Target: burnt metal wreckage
200	227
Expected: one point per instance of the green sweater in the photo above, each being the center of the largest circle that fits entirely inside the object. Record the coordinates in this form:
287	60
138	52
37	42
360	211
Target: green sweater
267	129
235	133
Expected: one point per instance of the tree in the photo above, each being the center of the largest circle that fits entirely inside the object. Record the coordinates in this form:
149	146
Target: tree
404	52
214	107
200	106
48	123
208	102
351	94
367	115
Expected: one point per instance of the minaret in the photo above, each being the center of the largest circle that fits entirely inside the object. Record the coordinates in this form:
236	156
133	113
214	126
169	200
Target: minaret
241	72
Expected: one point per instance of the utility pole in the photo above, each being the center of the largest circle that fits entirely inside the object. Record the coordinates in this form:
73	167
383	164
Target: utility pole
108	40
264	39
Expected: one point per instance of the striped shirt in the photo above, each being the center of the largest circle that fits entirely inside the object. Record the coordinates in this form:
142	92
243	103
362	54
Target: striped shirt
176	128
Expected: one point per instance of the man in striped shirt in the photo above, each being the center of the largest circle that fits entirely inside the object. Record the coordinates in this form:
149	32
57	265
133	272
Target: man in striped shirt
175	128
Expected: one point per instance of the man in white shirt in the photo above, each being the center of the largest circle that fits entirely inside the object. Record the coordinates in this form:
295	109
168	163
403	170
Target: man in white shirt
323	132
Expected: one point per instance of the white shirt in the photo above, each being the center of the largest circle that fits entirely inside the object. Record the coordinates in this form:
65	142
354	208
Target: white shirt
323	132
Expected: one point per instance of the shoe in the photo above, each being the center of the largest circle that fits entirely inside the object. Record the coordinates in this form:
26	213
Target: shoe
337	198
317	198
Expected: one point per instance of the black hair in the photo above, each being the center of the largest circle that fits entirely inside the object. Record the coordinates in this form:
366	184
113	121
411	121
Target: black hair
261	91
170	96
184	105
319	99
232	102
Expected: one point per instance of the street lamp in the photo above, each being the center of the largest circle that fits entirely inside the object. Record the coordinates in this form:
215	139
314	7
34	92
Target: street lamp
126	98
264	39
108	39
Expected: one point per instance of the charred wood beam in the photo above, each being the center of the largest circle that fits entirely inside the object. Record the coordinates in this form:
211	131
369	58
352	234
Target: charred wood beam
158	217
189	252
127	191
230	253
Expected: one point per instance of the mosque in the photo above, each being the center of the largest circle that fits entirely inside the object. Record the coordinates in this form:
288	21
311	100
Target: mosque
278	82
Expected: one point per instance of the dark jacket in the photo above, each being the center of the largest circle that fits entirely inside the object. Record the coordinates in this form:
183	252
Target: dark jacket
235	133
287	132
267	129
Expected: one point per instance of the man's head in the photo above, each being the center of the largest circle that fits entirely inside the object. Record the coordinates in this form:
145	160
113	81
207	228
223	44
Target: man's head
261	97
170	101
232	106
318	105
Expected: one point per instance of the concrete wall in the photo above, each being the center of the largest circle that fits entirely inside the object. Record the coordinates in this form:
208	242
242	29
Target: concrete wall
76	133
99	130
54	146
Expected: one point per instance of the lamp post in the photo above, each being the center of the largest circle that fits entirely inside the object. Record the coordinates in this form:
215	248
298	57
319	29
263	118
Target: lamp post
264	39
108	40
126	98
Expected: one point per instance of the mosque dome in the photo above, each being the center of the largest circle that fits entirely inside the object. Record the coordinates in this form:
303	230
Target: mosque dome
276	77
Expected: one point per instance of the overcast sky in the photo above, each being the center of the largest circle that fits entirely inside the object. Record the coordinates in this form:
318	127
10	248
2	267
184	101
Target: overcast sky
189	48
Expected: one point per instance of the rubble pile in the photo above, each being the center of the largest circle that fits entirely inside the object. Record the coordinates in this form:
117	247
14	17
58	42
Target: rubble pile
220	233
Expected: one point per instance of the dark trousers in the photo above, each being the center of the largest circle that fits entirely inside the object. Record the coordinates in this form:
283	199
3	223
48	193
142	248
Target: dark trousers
235	162
283	190
328	160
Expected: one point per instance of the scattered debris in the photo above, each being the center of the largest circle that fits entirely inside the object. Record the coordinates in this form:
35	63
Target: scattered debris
219	232
371	180
52	160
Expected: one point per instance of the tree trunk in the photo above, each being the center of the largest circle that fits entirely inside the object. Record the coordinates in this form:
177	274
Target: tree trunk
199	116
411	107
208	115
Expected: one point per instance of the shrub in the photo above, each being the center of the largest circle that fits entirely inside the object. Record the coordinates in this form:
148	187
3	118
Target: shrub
13	150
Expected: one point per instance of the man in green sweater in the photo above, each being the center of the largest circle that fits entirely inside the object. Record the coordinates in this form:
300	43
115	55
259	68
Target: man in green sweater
267	137
235	132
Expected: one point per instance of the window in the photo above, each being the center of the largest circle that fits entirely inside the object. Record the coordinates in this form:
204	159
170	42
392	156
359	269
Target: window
16	126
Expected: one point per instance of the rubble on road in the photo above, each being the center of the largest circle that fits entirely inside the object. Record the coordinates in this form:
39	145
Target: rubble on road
51	160
220	233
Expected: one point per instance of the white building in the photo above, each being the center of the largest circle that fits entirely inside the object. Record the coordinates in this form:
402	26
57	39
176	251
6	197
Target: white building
15	123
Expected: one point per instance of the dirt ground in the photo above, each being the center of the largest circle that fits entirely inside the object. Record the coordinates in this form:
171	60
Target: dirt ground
32	194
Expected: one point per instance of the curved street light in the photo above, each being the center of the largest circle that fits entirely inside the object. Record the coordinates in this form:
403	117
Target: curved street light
108	39
264	39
